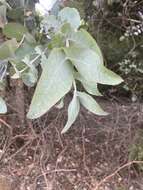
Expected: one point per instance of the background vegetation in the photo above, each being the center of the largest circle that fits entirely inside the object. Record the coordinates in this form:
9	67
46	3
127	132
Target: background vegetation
117	26
98	153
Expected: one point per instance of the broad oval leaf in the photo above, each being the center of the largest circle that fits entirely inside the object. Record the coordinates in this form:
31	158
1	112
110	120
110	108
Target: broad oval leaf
56	7
90	104
57	41
73	111
3	107
30	77
16	14
55	82
50	22
84	39
24	50
14	30
8	48
88	64
71	16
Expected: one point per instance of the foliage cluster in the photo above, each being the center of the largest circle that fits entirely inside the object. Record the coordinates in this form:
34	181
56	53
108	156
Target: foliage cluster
57	54
117	26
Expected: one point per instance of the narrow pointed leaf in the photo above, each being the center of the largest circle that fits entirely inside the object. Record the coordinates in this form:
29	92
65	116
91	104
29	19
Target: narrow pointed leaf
71	16
73	111
55	81
90	104
90	87
3	107
88	64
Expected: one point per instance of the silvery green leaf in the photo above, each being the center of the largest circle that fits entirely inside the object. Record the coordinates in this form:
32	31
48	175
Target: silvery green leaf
90	87
71	16
43	60
73	111
14	30
24	50
56	7
8	48
3	107
50	22
84	39
90	104
57	41
30	77
39	50
4	2
30	39
55	82
88	63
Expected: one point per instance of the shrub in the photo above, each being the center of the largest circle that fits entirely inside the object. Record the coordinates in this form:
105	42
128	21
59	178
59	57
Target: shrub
65	54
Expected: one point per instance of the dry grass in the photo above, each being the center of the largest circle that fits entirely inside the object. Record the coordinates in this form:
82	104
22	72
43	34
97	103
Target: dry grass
93	155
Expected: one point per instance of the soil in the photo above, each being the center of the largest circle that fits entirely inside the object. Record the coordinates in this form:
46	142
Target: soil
93	155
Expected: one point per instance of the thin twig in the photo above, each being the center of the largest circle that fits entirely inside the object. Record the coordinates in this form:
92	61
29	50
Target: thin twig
107	178
57	171
5	123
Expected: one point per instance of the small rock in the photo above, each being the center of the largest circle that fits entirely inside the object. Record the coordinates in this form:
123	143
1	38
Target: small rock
131	188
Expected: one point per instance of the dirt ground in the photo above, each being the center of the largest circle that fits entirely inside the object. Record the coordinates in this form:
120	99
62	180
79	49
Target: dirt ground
94	155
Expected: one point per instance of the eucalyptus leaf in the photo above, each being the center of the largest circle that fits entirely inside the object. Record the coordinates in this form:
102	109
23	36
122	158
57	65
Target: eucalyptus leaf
55	82
88	64
3	107
57	41
8	48
4	2
19	65
73	111
56	7
43	61
49	23
24	50
90	104
14	30
90	87
30	77
71	16
16	14
84	39
30	39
